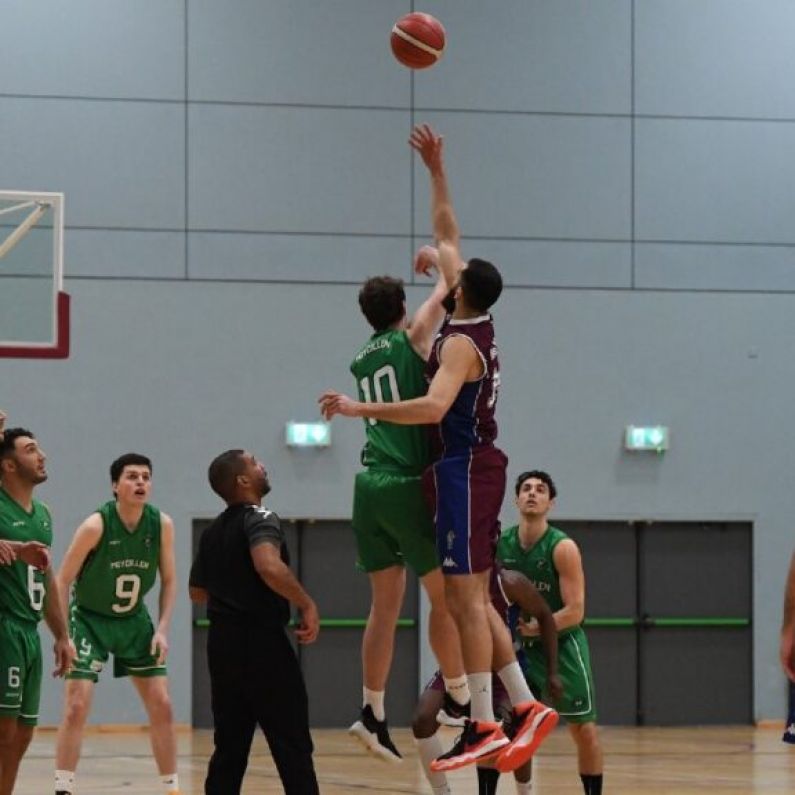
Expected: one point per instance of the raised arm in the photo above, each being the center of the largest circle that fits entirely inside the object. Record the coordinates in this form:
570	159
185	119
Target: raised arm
168	588
430	147
427	319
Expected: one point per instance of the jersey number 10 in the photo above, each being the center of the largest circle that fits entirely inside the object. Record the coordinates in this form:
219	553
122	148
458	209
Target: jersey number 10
382	374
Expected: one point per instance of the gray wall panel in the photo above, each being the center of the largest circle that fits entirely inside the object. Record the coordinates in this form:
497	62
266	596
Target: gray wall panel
555	263
715	181
26	313
715	58
704	267
120	164
557	177
297	52
299	170
116	253
94	48
297	257
564	56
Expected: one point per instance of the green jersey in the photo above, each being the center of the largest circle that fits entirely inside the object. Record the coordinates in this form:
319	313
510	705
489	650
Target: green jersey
122	567
535	563
22	588
388	369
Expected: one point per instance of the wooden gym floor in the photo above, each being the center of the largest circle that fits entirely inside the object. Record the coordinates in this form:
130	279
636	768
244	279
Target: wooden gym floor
647	761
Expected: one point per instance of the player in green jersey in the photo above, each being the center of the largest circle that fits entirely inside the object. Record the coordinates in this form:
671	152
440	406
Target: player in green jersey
28	592
113	561
391	521
552	562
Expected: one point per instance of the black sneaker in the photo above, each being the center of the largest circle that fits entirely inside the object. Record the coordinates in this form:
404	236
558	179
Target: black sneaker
452	713
479	741
374	736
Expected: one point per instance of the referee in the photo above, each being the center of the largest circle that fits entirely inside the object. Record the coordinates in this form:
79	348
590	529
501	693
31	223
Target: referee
242	573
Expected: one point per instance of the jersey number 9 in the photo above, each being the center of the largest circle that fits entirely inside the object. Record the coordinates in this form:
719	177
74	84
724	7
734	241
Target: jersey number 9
128	588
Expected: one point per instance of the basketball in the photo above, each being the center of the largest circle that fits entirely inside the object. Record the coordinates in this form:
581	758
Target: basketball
417	40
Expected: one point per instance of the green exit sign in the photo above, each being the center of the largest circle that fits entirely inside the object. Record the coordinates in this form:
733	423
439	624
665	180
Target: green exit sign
308	434
646	437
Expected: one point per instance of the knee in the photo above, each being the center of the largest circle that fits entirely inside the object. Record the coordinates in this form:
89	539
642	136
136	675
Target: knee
160	709
423	725
76	709
587	736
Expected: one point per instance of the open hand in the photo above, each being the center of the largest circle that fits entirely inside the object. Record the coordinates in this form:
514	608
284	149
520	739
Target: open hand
429	146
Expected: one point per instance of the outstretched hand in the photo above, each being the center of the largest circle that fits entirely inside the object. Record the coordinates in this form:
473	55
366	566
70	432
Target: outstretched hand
426	260
429	145
332	403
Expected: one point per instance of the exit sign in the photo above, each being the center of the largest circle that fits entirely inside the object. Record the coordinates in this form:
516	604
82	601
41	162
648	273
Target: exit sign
646	437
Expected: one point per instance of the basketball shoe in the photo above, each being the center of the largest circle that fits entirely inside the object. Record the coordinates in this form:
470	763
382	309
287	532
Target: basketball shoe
374	735
480	740
452	713
531	722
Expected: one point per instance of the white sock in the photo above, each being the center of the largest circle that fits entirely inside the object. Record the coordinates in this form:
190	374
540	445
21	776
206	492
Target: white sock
170	782
429	748
375	698
480	688
458	688
65	780
523	787
515	683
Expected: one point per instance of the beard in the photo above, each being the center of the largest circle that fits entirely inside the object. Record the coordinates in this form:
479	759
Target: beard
264	487
448	302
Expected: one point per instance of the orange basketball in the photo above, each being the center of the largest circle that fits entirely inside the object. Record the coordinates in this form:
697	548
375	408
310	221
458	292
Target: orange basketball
417	40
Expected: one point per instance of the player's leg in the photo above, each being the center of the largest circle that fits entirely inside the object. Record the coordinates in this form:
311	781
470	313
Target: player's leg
408	521
133	656
154	694
78	695
234	718
281	707
20	678
379	556
15	738
589	756
424	727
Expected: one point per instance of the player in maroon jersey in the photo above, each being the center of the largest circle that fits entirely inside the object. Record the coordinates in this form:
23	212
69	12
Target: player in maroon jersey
466	482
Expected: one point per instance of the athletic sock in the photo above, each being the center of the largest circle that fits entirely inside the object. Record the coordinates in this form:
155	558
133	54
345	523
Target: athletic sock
592	784
375	698
515	683
523	787
430	748
64	781
487	780
169	783
458	688
480	688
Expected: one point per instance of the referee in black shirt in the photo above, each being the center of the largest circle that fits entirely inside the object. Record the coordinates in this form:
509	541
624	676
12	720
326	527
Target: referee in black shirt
242	572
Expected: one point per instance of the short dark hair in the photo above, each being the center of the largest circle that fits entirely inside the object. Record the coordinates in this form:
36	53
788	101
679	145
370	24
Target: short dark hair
382	300
8	444
126	460
538	474
222	473
481	284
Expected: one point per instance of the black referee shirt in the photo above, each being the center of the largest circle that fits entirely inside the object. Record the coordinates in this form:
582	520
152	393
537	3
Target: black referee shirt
224	568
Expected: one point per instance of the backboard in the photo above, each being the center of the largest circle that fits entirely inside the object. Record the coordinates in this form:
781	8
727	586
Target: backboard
34	309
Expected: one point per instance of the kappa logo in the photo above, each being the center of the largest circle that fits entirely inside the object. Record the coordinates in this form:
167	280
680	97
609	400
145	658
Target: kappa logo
542	564
449	563
114	542
21	524
509	560
450	539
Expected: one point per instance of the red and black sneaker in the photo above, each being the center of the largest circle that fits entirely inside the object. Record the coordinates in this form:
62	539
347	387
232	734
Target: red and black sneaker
532	722
480	740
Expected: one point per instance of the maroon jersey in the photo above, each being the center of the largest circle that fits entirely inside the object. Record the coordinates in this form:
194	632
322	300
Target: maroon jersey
469	422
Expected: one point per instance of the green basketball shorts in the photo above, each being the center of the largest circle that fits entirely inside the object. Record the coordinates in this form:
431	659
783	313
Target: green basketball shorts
578	704
128	639
391	522
20	670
